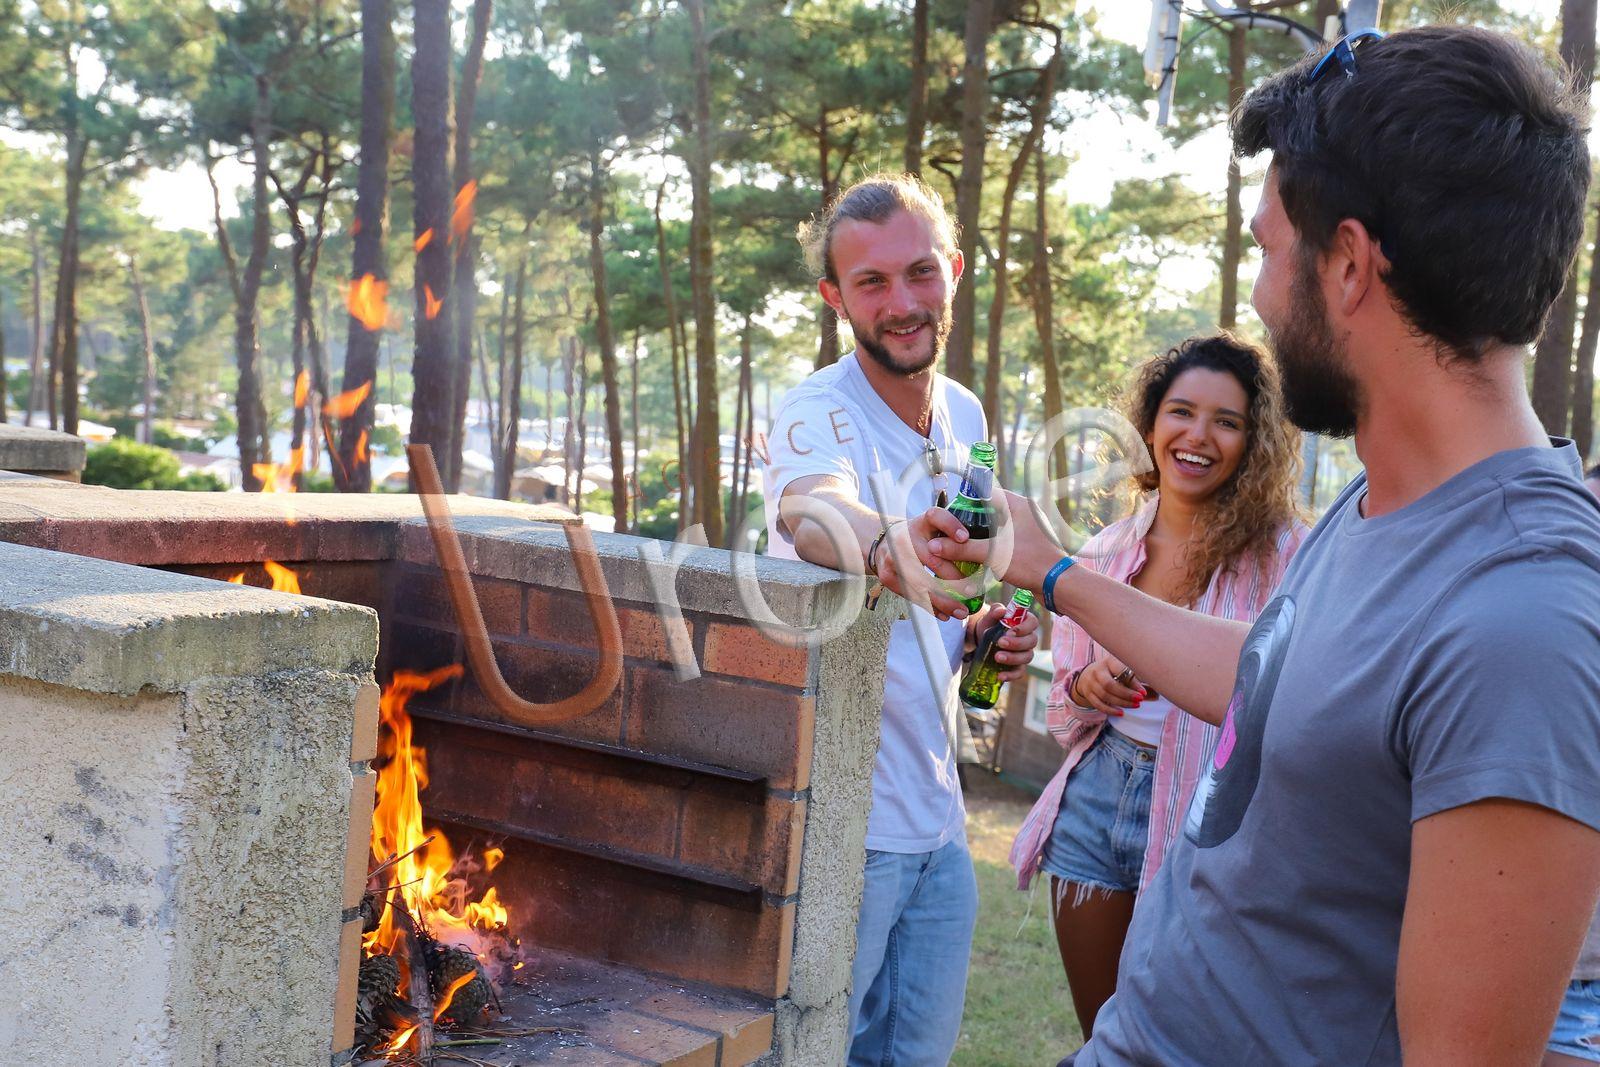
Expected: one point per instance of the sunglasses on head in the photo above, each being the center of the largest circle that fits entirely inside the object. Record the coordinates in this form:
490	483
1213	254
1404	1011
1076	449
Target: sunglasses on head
1343	53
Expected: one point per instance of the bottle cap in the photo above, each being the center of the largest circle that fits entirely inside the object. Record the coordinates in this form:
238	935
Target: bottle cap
1022	598
982	454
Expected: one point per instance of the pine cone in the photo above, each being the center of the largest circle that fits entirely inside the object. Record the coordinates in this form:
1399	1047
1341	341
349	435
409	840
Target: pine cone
379	975
470	1000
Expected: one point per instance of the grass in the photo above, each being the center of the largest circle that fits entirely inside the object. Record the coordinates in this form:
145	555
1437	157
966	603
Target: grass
1018	1013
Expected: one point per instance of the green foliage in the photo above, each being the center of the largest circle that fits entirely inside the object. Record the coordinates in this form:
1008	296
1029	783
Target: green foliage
129	465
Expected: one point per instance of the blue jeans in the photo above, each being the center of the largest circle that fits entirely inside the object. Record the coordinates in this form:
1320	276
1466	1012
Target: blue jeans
1098	841
913	939
1577	1030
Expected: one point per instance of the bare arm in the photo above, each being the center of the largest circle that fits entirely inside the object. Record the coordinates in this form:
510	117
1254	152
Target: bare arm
832	528
1500	896
1189	658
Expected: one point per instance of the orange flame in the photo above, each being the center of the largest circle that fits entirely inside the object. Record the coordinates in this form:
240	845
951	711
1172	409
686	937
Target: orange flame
423	240
361	447
345	404
492	858
237	579
423	874
302	388
355	225
401	1038
450	994
431	305
284	580
461	216
279	477
368	301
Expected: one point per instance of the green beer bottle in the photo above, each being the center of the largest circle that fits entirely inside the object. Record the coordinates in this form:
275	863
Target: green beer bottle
980	685
971	506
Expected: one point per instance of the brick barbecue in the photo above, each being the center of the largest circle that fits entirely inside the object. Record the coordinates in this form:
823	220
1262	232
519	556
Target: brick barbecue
683	861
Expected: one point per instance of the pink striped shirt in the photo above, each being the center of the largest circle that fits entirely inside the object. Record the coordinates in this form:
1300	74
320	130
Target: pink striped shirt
1239	593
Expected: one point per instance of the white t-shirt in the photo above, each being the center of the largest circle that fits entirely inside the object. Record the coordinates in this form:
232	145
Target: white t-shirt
835	423
1145	722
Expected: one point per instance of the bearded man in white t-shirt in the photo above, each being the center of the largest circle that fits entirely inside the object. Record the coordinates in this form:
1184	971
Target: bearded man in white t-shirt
876	436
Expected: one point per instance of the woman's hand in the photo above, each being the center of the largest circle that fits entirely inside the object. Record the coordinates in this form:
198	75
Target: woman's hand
1016	647
1107	686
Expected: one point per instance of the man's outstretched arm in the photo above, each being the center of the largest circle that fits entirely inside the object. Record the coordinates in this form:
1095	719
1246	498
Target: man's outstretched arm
833	529
1500	897
1189	658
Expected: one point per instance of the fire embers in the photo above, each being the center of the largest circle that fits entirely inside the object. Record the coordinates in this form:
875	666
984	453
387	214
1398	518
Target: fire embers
434	929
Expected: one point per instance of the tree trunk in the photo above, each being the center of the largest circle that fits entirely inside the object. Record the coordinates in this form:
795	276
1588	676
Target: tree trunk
352	471
1552	360
432	363
254	444
739	402
917	106
569	433
969	186
1044	313
633	405
1233	231
36	383
64	331
679	408
147	423
708	474
581	374
511	401
602	333
997	305
828	320
2	369
497	431
464	285
1325	10
1583	380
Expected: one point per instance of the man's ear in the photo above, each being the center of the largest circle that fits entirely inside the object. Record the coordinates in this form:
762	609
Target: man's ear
1357	261
957	264
830	292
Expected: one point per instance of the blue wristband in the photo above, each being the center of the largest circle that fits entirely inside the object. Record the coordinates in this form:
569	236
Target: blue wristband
1050	577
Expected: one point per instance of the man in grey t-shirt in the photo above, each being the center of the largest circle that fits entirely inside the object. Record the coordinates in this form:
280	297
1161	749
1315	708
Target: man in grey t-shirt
1396	850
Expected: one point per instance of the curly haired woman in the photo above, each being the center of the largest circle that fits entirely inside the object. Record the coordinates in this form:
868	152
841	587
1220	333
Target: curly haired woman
1214	528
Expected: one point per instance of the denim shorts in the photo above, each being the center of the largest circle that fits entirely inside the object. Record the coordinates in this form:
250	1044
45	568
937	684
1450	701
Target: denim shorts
1577	1031
1100	832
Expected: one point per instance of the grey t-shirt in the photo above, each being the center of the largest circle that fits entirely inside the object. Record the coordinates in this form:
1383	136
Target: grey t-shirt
1438	655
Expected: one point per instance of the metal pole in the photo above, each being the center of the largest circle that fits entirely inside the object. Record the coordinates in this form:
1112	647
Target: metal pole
1362	15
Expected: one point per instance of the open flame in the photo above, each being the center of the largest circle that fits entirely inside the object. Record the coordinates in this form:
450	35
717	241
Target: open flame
423	240
461	214
345	404
368	301
431	303
427	875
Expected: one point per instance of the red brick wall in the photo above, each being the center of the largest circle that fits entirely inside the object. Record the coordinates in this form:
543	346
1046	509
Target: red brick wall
662	829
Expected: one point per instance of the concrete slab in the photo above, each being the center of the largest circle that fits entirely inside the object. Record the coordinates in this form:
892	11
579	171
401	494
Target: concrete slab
30	448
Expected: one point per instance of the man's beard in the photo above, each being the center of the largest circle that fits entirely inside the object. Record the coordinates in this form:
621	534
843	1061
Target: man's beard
872	343
1318	390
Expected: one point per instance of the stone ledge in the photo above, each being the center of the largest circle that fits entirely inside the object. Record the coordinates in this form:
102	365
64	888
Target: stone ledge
801	594
31	448
112	628
161	528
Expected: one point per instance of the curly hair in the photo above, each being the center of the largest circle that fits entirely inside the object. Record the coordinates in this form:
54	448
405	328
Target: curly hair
1245	514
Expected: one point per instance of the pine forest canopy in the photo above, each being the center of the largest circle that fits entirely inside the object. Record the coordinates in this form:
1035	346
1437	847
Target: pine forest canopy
560	234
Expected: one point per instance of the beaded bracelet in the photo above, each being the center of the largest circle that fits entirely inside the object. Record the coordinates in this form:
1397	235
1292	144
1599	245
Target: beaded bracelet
1050	576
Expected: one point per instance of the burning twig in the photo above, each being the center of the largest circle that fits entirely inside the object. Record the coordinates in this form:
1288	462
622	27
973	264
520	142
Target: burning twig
421	995
392	860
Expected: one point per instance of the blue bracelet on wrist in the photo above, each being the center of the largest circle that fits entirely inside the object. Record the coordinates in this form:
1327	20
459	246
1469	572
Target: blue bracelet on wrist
1050	577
